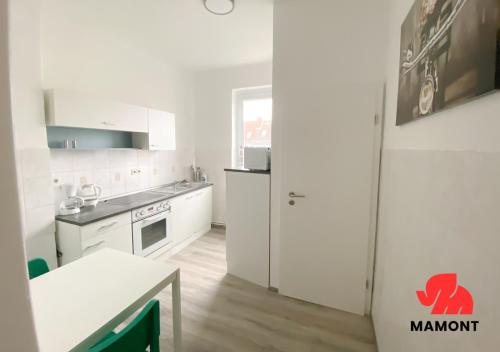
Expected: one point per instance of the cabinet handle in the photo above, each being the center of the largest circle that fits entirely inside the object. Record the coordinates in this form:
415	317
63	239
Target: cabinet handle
94	245
107	226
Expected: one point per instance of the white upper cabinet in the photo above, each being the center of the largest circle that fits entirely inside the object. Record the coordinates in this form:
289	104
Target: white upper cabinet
161	130
161	133
70	109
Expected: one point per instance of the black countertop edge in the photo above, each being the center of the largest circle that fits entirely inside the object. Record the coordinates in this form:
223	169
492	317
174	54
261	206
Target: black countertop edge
265	172
74	219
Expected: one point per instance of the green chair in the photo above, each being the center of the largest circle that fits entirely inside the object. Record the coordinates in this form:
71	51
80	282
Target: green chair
142	332
37	267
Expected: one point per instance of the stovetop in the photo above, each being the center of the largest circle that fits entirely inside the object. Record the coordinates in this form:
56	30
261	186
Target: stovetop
138	199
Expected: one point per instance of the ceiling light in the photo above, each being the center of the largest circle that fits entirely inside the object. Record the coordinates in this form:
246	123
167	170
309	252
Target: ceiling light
219	7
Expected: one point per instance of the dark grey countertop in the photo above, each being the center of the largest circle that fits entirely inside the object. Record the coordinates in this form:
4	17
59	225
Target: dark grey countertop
266	172
117	206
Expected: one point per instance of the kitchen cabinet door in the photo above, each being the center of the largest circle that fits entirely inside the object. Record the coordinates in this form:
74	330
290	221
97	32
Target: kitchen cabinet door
191	214
161	130
70	109
180	218
119	239
202	210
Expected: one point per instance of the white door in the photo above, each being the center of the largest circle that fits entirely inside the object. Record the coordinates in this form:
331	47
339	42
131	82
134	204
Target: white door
327	158
325	80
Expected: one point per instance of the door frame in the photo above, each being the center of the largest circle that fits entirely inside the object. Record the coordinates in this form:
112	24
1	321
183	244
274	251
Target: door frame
379	120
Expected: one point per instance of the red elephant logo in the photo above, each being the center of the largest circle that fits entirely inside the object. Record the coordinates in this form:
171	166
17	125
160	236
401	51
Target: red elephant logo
447	297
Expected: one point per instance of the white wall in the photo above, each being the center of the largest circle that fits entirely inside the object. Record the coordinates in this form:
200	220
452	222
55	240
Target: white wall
29	125
440	199
213	124
78	57
17	331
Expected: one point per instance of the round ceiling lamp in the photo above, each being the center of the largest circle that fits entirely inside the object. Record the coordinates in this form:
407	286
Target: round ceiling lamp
219	7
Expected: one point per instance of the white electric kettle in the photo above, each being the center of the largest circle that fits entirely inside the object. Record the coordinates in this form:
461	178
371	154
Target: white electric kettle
90	194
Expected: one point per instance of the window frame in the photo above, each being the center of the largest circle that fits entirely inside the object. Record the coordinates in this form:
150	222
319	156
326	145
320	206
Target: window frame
239	96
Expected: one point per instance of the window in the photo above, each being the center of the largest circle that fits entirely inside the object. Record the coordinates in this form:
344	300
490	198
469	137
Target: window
253	111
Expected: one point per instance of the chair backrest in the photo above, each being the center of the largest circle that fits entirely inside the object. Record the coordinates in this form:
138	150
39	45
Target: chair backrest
142	332
37	267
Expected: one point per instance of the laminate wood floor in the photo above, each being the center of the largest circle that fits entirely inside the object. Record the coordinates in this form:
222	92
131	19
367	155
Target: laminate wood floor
223	313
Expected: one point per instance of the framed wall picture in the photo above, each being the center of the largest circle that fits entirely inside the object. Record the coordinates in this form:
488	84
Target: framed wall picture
448	55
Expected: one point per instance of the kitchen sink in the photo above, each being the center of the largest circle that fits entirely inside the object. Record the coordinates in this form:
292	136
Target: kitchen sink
176	188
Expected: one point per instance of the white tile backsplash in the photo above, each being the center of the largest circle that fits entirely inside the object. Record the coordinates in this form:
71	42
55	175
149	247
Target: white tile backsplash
112	170
83	160
102	178
132	159
83	177
101	159
117	158
132	182
60	162
143	158
118	181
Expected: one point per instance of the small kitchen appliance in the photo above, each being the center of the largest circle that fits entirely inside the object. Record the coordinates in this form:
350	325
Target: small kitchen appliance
257	158
70	206
90	194
72	203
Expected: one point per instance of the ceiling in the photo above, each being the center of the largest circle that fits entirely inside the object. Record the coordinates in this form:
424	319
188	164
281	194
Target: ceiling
181	32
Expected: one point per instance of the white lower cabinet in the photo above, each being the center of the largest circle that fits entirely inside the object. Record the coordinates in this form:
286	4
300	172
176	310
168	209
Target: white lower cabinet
247	226
74	242
191	214
191	218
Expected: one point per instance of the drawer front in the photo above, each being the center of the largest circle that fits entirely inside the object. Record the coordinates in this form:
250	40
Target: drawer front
106	225
119	238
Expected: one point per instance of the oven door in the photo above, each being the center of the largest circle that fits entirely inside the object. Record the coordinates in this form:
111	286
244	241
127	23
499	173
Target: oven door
151	234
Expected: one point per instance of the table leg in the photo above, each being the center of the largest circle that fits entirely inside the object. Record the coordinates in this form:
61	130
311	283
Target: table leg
176	309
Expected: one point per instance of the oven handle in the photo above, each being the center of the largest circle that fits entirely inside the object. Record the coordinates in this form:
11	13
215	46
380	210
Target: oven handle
147	222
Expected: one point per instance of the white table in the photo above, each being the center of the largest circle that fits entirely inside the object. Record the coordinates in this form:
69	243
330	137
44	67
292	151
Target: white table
75	306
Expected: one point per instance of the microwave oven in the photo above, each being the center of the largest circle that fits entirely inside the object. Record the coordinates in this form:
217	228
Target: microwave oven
257	158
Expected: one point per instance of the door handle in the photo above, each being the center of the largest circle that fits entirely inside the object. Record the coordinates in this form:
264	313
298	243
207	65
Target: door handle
294	195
